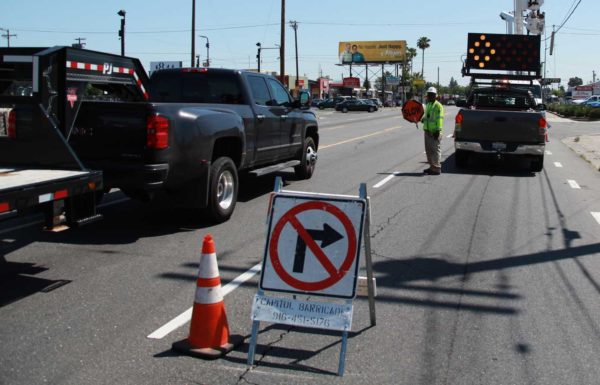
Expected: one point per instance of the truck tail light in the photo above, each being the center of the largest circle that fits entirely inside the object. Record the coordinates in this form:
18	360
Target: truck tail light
459	118
4	207
12	124
157	132
542	123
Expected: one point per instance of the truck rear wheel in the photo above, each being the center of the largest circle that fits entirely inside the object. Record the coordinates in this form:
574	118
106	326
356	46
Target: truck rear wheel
308	161
461	158
537	164
223	189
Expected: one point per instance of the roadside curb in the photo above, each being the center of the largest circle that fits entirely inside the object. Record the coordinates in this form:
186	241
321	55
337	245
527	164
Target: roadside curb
587	147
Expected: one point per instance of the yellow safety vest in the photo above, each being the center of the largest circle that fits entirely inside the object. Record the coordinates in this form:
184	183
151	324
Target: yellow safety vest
433	120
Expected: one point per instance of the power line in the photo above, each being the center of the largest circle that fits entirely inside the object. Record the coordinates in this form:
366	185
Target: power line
568	17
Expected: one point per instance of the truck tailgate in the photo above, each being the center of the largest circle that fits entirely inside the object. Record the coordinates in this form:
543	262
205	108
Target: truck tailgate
500	126
110	131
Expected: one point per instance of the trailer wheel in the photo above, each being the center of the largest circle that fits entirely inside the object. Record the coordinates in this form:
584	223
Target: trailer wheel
537	164
308	161
223	189
461	158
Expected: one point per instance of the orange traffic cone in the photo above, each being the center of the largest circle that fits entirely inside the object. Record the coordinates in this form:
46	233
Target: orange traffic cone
209	333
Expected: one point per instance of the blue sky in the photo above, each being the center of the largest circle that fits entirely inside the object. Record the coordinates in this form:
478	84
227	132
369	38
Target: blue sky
161	30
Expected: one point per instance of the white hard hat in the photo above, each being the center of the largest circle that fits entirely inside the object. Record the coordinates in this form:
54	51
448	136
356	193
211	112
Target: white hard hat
432	90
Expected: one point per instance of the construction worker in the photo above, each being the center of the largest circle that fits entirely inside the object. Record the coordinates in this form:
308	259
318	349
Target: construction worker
433	120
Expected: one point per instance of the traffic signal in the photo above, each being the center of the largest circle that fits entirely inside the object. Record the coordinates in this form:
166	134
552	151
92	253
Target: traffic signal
488	51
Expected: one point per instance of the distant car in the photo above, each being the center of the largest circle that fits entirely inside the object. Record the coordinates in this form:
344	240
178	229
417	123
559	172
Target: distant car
591	104
376	101
356	105
451	102
593	98
315	102
330	103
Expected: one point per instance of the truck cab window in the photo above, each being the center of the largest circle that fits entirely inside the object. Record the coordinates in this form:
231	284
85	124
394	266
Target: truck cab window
259	90
280	95
210	87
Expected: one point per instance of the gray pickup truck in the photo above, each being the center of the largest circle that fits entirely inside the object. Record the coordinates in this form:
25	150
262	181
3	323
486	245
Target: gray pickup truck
199	129
500	121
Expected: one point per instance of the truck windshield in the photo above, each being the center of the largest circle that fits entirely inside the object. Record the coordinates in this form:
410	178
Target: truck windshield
503	100
196	87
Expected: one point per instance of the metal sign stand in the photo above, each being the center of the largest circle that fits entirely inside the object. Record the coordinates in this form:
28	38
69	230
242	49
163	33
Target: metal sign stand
370	287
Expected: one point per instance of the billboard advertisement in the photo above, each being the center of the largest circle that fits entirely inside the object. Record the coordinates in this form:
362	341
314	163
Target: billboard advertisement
391	51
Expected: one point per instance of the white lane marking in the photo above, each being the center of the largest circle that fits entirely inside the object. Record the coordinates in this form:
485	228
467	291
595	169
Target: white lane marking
548	152
558	164
384	181
449	136
573	184
596	216
186	316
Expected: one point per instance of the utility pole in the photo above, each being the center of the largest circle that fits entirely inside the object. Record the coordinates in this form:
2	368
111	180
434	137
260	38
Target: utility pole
193	31
282	45
593	76
294	25
79	43
438	80
7	36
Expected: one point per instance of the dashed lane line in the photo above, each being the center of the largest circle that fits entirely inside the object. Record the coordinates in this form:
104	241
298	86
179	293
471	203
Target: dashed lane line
573	184
596	216
558	164
384	181
360	137
186	316
548	152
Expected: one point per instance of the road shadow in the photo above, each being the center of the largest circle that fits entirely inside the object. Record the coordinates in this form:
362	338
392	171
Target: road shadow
490	165
17	281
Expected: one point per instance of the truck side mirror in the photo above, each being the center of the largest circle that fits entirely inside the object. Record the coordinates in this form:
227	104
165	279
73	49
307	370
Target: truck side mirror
540	107
461	103
304	98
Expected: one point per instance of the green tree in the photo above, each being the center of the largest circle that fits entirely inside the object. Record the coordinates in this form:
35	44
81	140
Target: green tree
423	44
453	85
576	81
367	84
411	53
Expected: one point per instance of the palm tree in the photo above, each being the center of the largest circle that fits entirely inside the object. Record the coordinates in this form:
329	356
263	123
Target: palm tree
411	53
423	44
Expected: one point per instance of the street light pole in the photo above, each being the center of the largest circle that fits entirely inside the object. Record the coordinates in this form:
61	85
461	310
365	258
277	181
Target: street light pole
122	31
207	47
258	57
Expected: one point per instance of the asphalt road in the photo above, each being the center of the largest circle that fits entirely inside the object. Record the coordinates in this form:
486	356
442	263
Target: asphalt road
485	275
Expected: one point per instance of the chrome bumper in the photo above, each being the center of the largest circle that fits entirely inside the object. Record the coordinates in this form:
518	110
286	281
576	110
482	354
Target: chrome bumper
522	149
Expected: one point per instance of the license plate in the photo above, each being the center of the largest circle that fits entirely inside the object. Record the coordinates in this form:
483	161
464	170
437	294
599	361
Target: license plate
499	146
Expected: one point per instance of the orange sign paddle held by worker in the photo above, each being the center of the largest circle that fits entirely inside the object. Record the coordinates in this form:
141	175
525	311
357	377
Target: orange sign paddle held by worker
413	111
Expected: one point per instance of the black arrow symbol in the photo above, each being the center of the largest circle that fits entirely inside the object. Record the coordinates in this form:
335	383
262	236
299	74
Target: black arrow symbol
327	236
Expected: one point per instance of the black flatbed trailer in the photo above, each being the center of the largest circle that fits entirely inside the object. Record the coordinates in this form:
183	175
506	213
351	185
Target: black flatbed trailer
41	90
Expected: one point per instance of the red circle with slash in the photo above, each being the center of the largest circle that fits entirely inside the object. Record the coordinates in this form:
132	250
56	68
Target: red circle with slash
335	274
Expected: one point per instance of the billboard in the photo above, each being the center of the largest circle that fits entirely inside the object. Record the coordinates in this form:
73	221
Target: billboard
391	51
488	51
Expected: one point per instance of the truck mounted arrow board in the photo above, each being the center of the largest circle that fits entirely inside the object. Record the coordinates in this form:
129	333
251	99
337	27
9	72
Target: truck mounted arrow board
313	244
